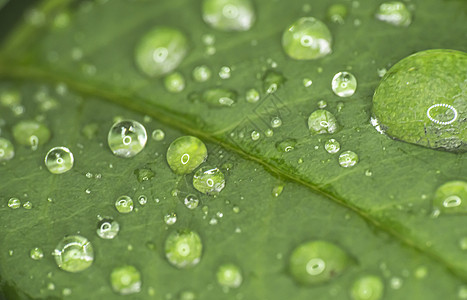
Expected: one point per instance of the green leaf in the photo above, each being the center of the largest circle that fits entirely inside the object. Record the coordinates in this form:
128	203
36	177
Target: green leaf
72	65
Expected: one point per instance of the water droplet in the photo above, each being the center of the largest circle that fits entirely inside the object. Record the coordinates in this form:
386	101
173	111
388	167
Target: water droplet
74	253
272	80
348	159
124	204
229	276
59	160
307	38
321	121
185	154
127	138
307	82
411	108
368	173
269	132
276	122
395	13
381	72
368	287
14	203
31	133
142	199
125	280
286	145
337	13
170	218
229	15
252	96
344	84
255	135
183	248
277	190
201	73
144	174
187	295
332	146
209	180
36	253
318	262
107	228
224	72
161	50
462	292
421	272
322	104
27	205
174	82
158	135
191	201
451	197
7	151
219	97
395	283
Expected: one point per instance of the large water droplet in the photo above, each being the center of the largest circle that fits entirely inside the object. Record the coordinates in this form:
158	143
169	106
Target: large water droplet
348	159
209	180
219	97
451	197
127	138
107	228
183	249
395	13
229	276
74	253
369	287
160	51
124	204
174	82
36	253
421	100
307	38
318	262
344	84
7	151
185	154
59	160
321	121
229	15
31	133
125	280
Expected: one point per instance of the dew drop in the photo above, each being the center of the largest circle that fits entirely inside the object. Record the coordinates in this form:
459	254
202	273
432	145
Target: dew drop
255	135
209	180
462	292
124	204
27	205
307	38
348	159
368	287
74	253
332	146
160	51
14	203
337	13
183	249
107	228
229	15
158	135
144	174
219	97
125	280
36	253
185	154
307	82
276	122
286	145
394	13
277	190
395	283
201	73
229	276
7	151
272	80
174	82
191	201
252	96
59	160
142	199
322	121
451	197
170	218
127	138
31	133
317	262
322	104
224	72
187	295
344	84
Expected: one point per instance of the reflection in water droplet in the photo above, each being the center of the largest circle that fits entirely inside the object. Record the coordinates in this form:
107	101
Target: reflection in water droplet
127	138
183	249
229	15
125	280
185	154
59	160
344	84
307	38
74	253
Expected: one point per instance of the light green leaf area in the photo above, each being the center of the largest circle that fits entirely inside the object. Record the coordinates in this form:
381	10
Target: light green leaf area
80	55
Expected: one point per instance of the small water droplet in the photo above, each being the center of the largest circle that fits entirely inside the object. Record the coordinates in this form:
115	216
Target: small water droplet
396	283
394	13
462	292
236	209
158	135
322	121
224	72
27	205
14	203
344	84
174	82
272	81
451	197
252	96
332	146
107	228
277	190
36	253
421	272
348	159
74	253
269	132
229	276
229	15
144	174
307	38
322	104
219	97
209	180
160	51
255	135
59	160
286	145
337	13
124	204
368	173
142	199
381	72
125	280
307	82
183	248
201	73
276	122
191	201
185	154
7	151
170	218
368	287
31	133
